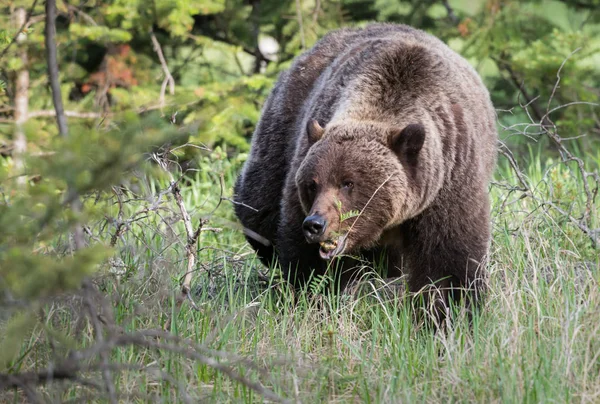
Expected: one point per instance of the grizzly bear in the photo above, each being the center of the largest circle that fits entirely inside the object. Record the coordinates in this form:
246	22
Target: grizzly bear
378	141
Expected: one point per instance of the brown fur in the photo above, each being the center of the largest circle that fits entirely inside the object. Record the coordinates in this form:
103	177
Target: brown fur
404	119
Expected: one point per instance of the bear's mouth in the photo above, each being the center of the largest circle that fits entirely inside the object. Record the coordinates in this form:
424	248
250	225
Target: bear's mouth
331	248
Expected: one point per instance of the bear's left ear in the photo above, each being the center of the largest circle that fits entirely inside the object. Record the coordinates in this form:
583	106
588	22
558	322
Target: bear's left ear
314	130
407	142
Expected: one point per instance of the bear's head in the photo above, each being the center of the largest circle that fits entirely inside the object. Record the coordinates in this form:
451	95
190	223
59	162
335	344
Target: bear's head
357	180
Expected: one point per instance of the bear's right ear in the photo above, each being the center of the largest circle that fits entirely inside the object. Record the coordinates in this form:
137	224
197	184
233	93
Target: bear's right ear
407	142
314	130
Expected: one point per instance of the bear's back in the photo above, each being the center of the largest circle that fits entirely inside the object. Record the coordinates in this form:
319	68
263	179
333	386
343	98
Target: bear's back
316	87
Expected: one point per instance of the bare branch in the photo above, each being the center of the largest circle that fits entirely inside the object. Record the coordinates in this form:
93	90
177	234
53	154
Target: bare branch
519	84
83	15
316	11
590	180
558	78
168	77
192	235
450	12
70	114
72	367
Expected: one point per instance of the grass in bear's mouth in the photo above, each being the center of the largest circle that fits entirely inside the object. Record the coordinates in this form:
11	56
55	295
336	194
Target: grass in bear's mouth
331	248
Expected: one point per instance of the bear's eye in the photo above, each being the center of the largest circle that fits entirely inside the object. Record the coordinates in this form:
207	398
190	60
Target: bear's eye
347	185
312	187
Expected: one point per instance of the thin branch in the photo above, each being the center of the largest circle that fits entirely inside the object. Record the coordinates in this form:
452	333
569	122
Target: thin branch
255	20
70	114
83	15
24	25
50	33
590	180
240	204
506	152
558	77
519	84
120	223
163	63
35	20
450	12
316	12
71	368
192	235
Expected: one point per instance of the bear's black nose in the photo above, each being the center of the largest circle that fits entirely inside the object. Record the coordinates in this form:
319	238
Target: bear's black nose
313	227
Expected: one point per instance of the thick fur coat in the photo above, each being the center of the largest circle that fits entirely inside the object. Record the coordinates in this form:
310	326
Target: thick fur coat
379	140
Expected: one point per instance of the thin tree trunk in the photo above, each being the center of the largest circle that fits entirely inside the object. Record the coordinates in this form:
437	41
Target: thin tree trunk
72	194
21	98
255	20
53	66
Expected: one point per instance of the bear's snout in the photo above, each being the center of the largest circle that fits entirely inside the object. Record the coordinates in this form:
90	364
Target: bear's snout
313	228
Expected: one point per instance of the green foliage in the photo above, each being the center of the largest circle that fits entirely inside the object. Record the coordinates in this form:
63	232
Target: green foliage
345	215
349	215
100	34
5	37
37	258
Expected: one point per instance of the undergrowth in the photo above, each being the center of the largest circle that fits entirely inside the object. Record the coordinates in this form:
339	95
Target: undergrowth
536	340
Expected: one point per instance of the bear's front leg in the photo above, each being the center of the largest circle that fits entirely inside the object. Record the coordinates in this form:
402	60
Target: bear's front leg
445	254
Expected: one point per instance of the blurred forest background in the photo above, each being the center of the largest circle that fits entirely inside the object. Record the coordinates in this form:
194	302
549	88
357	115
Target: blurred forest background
134	191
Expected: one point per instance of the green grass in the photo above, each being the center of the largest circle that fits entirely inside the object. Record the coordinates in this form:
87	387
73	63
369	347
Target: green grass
537	339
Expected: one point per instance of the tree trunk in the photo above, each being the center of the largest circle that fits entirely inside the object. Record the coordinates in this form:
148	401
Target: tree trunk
21	98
